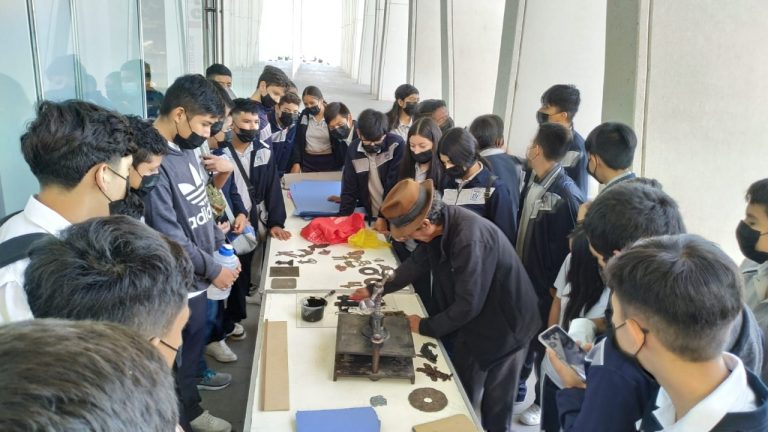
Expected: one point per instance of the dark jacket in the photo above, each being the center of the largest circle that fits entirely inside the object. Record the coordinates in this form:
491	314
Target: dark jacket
265	130
749	421
546	238
179	208
510	171
354	181
282	148
262	174
575	163
498	208
481	291
338	147
619	392
232	195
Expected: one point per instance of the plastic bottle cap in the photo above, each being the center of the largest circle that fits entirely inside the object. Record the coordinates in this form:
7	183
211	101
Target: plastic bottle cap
226	250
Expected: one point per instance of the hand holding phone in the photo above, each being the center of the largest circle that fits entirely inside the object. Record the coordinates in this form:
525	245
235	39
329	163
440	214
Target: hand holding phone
565	348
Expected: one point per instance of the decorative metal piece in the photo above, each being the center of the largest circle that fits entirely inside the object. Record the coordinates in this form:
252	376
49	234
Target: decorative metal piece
288	263
427	353
379	400
428	399
434	373
369	271
308	261
340	267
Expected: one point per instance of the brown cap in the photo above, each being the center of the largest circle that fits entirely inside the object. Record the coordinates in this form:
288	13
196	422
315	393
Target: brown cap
407	205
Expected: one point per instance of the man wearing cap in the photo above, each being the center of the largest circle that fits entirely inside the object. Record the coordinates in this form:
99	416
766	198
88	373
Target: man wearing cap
485	303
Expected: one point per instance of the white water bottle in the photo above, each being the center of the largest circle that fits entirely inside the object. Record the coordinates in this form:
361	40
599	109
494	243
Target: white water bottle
227	258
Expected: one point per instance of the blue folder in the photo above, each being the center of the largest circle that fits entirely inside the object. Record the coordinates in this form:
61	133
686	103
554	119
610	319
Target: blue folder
338	420
311	197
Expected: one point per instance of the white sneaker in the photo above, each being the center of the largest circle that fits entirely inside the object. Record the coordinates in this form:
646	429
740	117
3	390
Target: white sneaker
237	333
531	416
220	351
205	422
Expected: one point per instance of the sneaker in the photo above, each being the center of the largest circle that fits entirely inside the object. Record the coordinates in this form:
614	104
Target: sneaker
531	416
205	422
220	351
254	299
213	380
237	333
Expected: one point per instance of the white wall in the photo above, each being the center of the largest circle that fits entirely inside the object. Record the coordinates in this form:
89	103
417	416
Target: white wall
366	44
426	61
705	137
394	50
563	42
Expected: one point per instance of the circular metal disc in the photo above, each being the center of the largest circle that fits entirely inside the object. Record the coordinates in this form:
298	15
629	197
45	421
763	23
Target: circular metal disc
369	271
428	399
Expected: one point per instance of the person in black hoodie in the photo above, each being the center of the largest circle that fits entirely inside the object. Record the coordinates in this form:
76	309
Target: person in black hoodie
371	167
675	299
179	208
485	304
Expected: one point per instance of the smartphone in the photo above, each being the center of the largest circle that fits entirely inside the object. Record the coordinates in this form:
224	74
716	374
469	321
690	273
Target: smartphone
565	348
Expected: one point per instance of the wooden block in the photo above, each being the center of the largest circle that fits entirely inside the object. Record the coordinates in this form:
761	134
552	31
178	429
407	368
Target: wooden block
275	396
456	423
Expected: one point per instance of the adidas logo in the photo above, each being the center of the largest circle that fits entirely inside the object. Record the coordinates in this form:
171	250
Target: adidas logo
197	196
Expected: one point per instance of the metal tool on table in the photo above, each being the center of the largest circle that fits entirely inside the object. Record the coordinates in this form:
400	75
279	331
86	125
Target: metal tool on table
308	261
375	345
288	263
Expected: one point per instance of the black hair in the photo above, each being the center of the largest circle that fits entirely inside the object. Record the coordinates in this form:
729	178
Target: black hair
114	269
427	128
148	140
685	288
274	76
195	94
614	142
553	138
401	92
487	130
584	277
627	212
226	99
372	124
67	139
565	97
436	214
82	375
245	105
217	69
290	98
425	108
758	194
460	147
645	181
334	109
312	91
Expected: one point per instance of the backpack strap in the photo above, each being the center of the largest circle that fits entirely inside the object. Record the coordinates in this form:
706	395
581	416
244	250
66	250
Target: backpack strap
17	248
488	187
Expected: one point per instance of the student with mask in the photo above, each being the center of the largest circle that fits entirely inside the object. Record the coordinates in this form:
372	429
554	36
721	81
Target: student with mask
150	149
486	307
341	124
752	235
313	148
219	73
549	205
675	300
488	130
283	123
403	109
370	170
610	152
617	391
80	154
272	85
437	110
559	104
469	183
179	208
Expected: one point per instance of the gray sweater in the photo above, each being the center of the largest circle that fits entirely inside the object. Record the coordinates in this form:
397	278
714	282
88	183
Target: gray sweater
178	207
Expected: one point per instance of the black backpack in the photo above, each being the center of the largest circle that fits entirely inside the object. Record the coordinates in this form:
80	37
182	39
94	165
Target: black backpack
17	248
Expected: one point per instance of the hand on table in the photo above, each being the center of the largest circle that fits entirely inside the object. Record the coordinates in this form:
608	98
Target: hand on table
381	226
335	199
414	321
295	169
279	233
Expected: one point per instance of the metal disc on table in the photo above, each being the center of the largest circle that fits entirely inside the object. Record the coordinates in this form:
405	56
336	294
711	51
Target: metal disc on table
428	399
369	271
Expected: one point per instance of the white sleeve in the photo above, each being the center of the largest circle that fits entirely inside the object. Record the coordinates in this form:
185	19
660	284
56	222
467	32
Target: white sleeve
561	282
598	310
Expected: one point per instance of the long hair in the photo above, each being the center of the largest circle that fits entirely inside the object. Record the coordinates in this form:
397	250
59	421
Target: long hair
584	276
427	128
402	92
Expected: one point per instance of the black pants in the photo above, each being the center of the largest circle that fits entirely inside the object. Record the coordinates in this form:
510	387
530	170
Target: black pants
235	310
193	339
535	355
490	391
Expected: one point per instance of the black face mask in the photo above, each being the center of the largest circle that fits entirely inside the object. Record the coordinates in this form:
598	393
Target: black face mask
422	157
267	101
315	110
132	205
341	133
117	207
748	238
191	142
217	127
247	135
456	172
447	125
148	182
410	108
372	148
541	117
287	119
228	135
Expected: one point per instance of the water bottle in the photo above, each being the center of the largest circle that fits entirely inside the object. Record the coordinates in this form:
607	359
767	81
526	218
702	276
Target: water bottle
227	258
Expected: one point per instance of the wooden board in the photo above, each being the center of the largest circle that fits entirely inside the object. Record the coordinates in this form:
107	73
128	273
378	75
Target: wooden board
456	423
274	396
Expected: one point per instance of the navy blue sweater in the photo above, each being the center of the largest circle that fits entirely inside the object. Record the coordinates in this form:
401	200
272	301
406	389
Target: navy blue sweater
354	182
575	163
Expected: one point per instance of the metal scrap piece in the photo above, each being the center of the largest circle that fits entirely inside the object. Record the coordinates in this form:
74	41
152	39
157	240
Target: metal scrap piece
427	353
325	252
385	268
352	285
369	271
284	272
308	261
318	246
288	263
378	400
356	252
307	252
340	267
428	399
434	373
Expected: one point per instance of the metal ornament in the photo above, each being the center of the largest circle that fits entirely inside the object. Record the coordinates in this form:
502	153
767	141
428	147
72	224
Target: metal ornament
428	399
